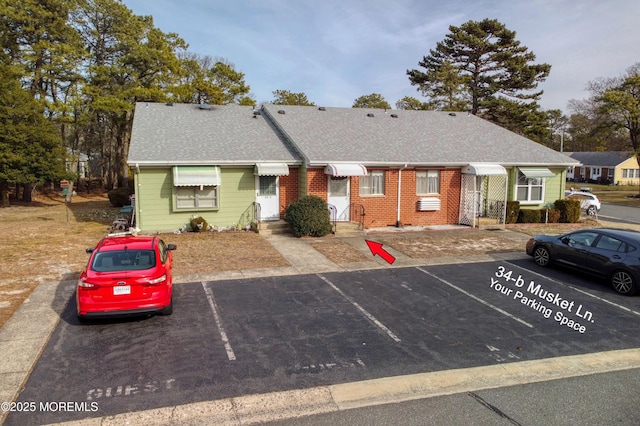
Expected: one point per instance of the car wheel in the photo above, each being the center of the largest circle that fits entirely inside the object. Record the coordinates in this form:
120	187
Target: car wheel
541	256
169	309
591	211
623	283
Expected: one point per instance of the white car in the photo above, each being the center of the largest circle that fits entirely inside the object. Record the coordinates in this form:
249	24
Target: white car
588	201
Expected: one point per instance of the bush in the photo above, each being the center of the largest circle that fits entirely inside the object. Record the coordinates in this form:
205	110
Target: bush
119	197
529	216
198	224
551	215
308	216
569	210
513	209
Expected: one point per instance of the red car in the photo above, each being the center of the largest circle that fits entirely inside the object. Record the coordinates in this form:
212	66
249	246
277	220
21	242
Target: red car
126	275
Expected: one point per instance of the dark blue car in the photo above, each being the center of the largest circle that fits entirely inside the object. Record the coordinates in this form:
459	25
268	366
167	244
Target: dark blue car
613	254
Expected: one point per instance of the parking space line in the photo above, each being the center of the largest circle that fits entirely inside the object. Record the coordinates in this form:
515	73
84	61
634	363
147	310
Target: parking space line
624	308
227	346
361	309
495	308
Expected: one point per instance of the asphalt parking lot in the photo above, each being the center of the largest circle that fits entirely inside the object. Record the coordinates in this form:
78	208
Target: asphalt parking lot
234	337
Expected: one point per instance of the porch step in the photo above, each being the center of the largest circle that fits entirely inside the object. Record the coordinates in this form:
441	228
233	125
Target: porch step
348	229
275	227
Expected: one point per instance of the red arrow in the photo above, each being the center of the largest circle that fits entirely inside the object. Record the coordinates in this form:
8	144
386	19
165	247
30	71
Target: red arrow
376	248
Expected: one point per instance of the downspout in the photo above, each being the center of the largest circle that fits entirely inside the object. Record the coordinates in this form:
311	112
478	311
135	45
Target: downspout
398	224
136	205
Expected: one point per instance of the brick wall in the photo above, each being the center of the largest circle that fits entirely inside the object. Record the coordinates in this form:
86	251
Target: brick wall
381	210
317	183
288	189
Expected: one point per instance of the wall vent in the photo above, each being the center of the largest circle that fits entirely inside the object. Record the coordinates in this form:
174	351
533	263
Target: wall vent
428	204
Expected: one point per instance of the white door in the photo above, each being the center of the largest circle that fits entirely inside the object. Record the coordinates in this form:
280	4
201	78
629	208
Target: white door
339	197
268	196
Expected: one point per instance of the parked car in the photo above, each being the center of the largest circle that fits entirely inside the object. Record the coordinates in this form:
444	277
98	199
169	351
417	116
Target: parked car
613	254
126	275
588	202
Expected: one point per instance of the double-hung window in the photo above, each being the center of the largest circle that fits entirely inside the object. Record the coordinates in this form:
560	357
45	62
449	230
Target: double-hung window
427	182
196	197
196	187
372	183
529	190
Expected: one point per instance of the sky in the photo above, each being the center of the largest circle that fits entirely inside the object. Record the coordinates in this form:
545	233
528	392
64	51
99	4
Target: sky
335	51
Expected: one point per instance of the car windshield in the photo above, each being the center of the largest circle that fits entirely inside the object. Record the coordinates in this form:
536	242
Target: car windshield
124	260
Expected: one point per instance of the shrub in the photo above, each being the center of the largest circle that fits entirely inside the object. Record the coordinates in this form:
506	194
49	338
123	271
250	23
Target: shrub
513	208
529	216
308	216
551	215
569	210
119	197
198	224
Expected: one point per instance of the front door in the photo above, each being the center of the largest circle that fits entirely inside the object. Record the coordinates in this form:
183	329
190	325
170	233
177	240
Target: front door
339	197
268	197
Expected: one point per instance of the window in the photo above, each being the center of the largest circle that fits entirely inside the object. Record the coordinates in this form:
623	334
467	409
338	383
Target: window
196	197
428	182
268	185
196	187
611	244
372	183
630	173
529	190
582	238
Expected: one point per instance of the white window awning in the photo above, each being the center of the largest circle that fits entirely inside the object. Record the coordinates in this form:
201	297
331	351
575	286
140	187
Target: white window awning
484	169
196	176
271	169
536	172
345	169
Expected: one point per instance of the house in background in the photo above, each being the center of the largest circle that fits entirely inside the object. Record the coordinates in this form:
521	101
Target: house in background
232	165
609	168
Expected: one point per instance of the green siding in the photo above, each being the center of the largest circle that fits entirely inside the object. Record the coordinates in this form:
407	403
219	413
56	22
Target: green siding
154	200
554	187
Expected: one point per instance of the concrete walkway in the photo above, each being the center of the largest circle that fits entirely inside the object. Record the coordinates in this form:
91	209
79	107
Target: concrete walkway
25	335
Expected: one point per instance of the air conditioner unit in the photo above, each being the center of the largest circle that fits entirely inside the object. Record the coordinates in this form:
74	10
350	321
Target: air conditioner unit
428	204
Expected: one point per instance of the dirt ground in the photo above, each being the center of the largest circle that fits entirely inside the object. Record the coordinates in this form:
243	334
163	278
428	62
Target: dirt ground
46	240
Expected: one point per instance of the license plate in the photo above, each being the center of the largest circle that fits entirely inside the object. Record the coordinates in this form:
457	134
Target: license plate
121	289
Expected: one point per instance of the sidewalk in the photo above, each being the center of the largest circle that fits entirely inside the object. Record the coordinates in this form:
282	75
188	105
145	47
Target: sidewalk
25	335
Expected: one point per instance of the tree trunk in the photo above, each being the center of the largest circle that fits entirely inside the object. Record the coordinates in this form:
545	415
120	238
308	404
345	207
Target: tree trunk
27	190
4	194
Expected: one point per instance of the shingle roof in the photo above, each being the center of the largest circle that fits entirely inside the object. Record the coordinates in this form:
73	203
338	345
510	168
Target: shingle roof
601	159
414	137
188	134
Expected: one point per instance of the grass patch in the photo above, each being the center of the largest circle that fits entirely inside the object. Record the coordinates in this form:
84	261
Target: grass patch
46	241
